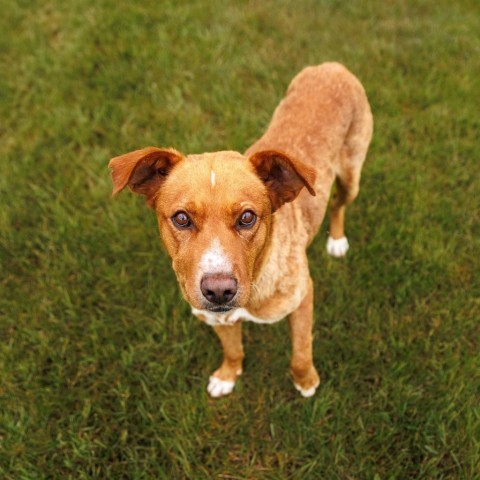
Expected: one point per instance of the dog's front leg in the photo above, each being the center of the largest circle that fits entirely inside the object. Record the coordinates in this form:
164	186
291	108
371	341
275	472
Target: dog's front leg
223	380
305	375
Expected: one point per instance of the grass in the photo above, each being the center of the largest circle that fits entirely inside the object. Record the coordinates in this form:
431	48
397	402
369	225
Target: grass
103	369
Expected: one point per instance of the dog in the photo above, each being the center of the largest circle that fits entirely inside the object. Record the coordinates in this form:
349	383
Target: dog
237	226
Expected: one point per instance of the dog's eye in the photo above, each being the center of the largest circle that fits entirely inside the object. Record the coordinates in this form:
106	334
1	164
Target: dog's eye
181	220
247	219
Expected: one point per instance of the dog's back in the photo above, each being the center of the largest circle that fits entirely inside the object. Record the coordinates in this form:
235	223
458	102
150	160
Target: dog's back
325	121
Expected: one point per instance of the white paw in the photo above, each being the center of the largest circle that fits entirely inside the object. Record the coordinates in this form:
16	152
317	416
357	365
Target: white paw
309	392
219	388
337	248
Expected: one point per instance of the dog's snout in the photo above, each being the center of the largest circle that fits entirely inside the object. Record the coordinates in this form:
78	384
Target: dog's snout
218	288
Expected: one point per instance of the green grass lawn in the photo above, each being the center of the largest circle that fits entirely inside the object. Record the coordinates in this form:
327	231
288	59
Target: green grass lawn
103	370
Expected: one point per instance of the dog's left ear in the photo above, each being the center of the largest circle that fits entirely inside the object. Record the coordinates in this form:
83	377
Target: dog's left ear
143	170
283	176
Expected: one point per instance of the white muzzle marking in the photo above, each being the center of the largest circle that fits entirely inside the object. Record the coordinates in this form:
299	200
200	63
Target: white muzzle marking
215	260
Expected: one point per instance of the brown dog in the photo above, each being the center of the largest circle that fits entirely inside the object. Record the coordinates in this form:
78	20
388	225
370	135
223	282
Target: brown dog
237	226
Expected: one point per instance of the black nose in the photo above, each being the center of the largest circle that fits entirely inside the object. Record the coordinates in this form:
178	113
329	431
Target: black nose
218	288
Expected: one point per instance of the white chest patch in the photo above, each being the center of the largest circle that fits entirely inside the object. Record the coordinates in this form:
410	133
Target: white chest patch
229	318
212	178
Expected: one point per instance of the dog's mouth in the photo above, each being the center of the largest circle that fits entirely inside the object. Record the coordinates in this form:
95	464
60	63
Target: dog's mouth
219	309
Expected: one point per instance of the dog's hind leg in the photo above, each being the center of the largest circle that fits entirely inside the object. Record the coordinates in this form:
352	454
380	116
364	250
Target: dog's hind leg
350	163
223	380
347	187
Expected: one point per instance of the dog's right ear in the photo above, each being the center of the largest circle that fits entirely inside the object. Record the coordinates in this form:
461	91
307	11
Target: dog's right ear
143	170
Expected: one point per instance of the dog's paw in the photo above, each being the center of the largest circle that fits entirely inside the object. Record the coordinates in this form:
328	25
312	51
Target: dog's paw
337	247
307	392
219	388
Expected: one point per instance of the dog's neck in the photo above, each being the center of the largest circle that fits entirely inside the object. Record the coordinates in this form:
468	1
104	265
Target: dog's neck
282	259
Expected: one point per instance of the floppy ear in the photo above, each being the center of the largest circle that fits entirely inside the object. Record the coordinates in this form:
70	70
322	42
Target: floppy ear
143	170
283	176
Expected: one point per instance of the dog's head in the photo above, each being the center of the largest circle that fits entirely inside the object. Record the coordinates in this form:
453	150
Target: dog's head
214	212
